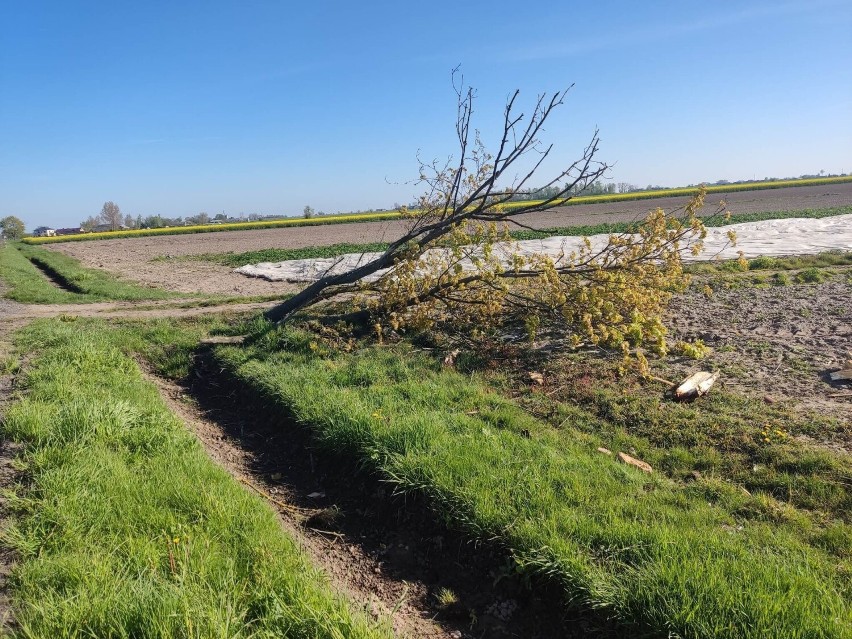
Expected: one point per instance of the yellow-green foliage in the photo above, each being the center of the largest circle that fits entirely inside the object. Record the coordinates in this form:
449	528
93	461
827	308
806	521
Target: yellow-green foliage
692	350
612	295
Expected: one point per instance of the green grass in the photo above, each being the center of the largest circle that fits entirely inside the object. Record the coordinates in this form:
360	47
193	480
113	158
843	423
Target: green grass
758	545
23	268
87	281
25	283
788	263
123	526
763	272
335	250
699	559
737	439
281	255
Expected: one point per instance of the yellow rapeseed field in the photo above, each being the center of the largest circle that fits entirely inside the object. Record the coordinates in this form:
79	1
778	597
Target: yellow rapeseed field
393	215
214	228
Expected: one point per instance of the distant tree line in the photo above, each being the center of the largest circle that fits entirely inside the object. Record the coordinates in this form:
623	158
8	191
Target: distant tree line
595	188
111	219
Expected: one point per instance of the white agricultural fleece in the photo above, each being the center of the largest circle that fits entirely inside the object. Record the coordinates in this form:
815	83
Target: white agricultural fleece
794	236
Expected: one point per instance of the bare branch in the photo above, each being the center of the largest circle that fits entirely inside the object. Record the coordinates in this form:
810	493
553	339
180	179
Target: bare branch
466	191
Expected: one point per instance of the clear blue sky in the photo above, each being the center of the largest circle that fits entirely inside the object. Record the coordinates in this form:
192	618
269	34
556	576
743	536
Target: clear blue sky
182	107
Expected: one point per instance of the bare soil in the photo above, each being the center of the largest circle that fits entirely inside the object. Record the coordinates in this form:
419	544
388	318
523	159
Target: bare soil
14	315
132	257
778	343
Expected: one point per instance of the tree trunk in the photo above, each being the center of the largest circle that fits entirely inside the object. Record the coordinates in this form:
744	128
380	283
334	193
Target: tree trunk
326	287
297	302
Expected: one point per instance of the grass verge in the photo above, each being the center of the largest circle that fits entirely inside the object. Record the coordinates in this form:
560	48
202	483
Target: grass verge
703	559
87	281
124	527
26	284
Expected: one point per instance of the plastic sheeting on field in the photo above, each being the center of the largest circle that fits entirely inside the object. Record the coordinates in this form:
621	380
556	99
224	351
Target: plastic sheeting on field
795	236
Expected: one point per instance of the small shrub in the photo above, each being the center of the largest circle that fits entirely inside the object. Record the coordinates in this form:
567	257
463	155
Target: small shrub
762	263
781	279
446	598
734	266
811	275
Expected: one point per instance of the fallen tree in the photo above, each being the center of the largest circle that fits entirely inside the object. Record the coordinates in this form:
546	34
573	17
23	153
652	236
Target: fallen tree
456	261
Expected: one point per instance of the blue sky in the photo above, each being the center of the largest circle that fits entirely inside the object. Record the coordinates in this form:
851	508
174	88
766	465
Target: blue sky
181	107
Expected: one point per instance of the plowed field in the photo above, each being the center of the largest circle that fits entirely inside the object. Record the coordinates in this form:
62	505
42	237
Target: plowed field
135	258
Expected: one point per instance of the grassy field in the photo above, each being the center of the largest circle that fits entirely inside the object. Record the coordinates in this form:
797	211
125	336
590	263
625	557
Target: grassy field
741	531
705	558
87	281
311	252
25	283
24	270
393	215
123	527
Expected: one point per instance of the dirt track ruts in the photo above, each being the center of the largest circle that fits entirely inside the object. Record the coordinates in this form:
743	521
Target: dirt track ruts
386	553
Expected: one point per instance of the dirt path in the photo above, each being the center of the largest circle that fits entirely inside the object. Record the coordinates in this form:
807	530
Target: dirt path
350	571
15	314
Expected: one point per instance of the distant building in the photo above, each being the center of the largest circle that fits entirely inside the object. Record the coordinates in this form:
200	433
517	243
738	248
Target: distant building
100	228
44	231
70	231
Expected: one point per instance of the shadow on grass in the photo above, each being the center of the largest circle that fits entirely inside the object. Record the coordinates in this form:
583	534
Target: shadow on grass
400	532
